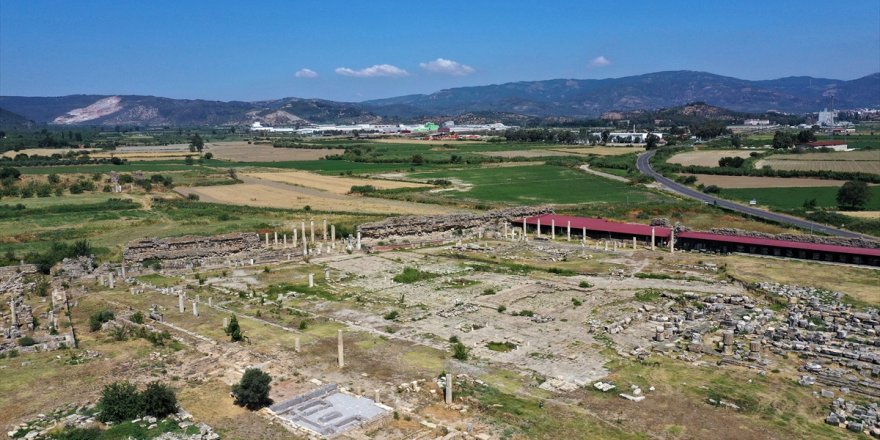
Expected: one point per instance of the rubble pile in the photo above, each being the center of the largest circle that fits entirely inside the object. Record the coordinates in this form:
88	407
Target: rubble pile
854	417
418	225
839	241
190	248
77	267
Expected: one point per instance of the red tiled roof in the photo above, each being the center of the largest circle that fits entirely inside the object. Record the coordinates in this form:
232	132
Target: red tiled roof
772	242
598	224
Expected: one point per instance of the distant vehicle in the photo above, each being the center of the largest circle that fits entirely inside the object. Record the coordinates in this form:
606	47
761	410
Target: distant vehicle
753	202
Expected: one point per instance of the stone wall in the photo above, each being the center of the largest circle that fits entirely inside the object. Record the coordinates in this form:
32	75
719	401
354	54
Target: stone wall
190	247
417	225
839	241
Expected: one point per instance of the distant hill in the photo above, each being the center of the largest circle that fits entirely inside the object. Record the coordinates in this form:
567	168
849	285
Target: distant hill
13	120
557	100
592	97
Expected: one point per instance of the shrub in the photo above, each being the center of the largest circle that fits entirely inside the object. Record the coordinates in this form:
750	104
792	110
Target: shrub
585	285
158	400
137	317
489	291
234	330
459	351
362	189
412	275
502	308
26	341
576	302
391	316
99	318
120	401
253	390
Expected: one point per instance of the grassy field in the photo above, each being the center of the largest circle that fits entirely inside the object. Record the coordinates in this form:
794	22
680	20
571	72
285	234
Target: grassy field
706	158
539	184
790	198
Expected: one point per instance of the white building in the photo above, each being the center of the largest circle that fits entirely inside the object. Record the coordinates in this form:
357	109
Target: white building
826	118
756	122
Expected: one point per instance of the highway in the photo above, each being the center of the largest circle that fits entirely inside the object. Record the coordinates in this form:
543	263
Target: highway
644	165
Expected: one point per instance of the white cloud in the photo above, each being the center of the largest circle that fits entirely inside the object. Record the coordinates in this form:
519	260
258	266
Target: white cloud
373	71
448	67
306	73
600	61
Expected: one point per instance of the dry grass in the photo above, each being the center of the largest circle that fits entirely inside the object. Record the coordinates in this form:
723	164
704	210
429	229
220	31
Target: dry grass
424	142
869	155
707	158
336	185
859	283
211	403
158	155
258	192
874	215
244	152
602	151
848	166
763	182
524	153
43	151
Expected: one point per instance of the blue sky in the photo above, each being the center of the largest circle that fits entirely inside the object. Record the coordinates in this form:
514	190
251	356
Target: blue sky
356	50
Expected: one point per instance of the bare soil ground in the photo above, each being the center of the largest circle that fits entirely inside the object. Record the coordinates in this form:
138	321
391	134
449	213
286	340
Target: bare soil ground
763	182
259	192
244	152
862	214
707	158
336	185
42	151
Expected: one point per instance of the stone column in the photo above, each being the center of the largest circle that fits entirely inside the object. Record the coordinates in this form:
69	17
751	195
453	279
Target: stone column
14	313
225	323
195	309
634	243
296	344
311	280
324	230
267	239
672	241
359	240
653	232
295	240
123	271
110	280
448	389
539	227
568	230
305	247
210	301
327	274
312	229
276	237
341	355
333	236
180	302
377	396
584	234
728	343
606	245
284	237
505	230
525	237
553	229
302	225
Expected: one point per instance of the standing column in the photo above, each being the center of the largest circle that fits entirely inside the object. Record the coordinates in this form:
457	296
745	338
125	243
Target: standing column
505	230
327	274
312	229
311	280
267	239
296	344
525	237
303	226
285	240
553	229
539	226
295	240
672	241
14	313
634	243
180	302
448	389
210	301
584	235
653	232
305	247
324	230
333	236
341	355
195	309
568	229
359	241
276	237
110	280
123	271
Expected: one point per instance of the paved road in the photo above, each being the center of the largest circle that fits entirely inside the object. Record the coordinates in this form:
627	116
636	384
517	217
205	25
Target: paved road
644	165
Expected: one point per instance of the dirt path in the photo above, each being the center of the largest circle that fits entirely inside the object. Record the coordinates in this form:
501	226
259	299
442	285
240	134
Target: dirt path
587	168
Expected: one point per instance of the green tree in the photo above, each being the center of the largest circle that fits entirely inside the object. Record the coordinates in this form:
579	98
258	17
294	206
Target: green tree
736	141
805	136
651	141
197	143
782	139
120	401
158	400
605	135
253	390
233	330
853	195
459	351
418	159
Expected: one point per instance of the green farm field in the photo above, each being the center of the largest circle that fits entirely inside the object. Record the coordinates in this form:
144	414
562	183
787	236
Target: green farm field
791	198
539	184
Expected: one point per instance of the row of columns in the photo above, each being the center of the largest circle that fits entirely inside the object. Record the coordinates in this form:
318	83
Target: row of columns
539	233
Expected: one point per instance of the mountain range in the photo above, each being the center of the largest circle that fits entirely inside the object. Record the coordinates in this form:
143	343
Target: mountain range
557	99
